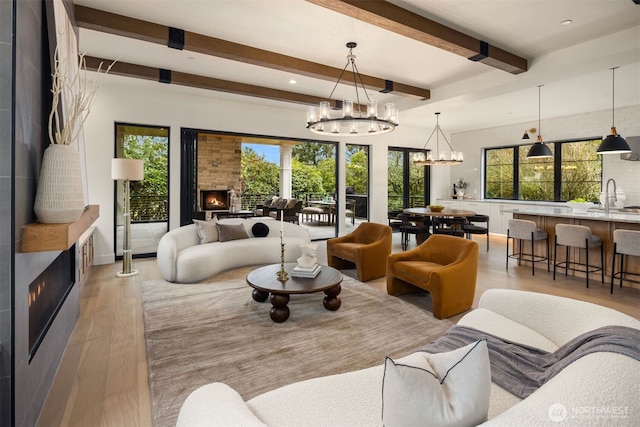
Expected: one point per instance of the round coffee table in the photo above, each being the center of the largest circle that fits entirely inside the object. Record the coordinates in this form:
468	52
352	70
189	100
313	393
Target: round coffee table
265	283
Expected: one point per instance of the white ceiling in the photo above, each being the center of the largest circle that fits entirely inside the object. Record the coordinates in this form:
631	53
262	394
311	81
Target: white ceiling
571	61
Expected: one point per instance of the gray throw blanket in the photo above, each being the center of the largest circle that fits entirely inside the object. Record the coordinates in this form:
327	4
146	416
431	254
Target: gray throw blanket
521	369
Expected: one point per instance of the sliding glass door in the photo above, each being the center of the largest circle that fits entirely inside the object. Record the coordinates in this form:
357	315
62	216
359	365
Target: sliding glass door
407	184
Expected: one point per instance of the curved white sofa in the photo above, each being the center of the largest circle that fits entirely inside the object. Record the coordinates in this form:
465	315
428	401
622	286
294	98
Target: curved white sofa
597	389
182	258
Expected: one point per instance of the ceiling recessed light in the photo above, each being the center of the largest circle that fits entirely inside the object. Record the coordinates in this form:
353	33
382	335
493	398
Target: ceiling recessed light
567	22
292	81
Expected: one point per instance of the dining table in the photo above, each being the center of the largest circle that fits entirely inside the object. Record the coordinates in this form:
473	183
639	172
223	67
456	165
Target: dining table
427	214
328	205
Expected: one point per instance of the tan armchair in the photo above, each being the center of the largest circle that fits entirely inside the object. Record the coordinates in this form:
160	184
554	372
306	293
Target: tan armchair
367	247
445	266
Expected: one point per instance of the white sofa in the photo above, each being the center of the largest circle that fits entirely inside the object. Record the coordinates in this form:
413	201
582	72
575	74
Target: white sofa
183	259
597	389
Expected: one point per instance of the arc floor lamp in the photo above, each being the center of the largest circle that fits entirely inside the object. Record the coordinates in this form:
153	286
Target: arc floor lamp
127	170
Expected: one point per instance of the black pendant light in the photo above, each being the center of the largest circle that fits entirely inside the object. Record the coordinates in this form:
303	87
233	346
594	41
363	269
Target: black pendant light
613	143
539	149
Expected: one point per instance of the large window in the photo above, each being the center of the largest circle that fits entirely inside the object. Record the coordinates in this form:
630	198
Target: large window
574	171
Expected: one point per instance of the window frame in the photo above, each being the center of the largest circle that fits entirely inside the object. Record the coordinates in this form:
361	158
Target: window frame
557	167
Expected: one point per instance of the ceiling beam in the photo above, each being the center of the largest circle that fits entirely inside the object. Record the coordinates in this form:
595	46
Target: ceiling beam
154	33
401	21
201	82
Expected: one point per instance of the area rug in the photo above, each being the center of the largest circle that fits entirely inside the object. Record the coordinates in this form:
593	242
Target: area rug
214	331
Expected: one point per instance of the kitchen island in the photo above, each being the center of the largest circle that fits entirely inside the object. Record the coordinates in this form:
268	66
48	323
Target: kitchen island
602	224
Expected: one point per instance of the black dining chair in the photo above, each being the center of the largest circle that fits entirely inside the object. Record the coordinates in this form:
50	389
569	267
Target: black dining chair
472	228
451	226
413	224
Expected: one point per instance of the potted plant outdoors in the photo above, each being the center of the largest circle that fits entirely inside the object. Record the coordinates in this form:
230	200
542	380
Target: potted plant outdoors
60	195
461	187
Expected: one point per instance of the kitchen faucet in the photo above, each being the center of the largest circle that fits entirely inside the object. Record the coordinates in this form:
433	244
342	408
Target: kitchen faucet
606	200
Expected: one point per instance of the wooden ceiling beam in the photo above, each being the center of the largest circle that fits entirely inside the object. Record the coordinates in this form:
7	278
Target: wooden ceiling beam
401	21
202	82
154	33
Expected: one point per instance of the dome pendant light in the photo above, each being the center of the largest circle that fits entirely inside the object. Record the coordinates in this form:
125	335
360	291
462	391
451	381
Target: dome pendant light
613	143
539	149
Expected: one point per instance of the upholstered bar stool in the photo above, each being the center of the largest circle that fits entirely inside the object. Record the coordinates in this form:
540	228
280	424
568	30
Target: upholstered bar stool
525	230
625	242
576	236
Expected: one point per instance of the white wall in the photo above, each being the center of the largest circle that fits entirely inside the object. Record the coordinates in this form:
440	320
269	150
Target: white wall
141	102
589	125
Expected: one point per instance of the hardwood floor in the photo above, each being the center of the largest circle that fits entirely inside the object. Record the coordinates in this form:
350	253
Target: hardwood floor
102	379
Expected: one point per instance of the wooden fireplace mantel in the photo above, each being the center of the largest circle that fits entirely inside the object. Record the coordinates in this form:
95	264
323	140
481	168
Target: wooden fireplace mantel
39	237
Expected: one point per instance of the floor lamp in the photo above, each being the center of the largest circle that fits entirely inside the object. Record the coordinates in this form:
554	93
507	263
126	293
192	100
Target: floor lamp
127	170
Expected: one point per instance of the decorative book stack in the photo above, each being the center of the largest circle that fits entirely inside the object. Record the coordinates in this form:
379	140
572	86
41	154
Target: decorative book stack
309	272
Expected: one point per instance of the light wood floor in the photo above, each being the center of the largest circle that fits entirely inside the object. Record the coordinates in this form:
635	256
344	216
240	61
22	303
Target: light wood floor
102	379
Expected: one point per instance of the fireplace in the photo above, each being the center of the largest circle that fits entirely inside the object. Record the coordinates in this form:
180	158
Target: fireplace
214	200
47	293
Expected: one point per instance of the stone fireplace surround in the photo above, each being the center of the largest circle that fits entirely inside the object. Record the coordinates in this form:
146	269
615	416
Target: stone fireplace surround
218	168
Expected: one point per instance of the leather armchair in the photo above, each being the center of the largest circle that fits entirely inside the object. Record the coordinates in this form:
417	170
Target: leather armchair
367	247
445	266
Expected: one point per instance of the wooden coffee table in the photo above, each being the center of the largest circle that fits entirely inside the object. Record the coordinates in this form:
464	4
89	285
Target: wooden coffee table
265	283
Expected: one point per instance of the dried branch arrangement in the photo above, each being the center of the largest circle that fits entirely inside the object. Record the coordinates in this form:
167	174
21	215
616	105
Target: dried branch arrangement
75	94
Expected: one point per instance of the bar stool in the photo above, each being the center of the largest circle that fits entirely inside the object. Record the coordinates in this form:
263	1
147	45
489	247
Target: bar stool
522	229
625	242
471	228
577	236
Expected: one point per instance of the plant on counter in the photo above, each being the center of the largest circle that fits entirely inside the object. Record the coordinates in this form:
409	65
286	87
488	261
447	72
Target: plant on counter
461	184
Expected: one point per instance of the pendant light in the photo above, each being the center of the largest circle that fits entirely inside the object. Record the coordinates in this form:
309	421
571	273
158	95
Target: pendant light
539	149
440	158
527	132
613	143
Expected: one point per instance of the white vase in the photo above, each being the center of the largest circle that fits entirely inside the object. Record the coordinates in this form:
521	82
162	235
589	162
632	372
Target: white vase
60	197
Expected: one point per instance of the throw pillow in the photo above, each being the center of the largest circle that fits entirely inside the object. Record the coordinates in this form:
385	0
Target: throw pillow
260	229
207	231
443	389
228	232
291	203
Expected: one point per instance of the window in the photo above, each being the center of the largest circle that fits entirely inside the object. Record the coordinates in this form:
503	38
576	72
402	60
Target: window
575	171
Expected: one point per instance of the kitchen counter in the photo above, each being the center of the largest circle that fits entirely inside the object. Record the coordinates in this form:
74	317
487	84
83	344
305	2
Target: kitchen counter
594	214
601	224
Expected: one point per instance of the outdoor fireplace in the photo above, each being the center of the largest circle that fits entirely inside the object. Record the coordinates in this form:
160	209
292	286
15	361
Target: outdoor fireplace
47	293
214	200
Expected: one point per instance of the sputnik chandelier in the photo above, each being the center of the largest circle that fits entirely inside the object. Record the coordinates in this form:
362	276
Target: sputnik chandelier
437	157
350	120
